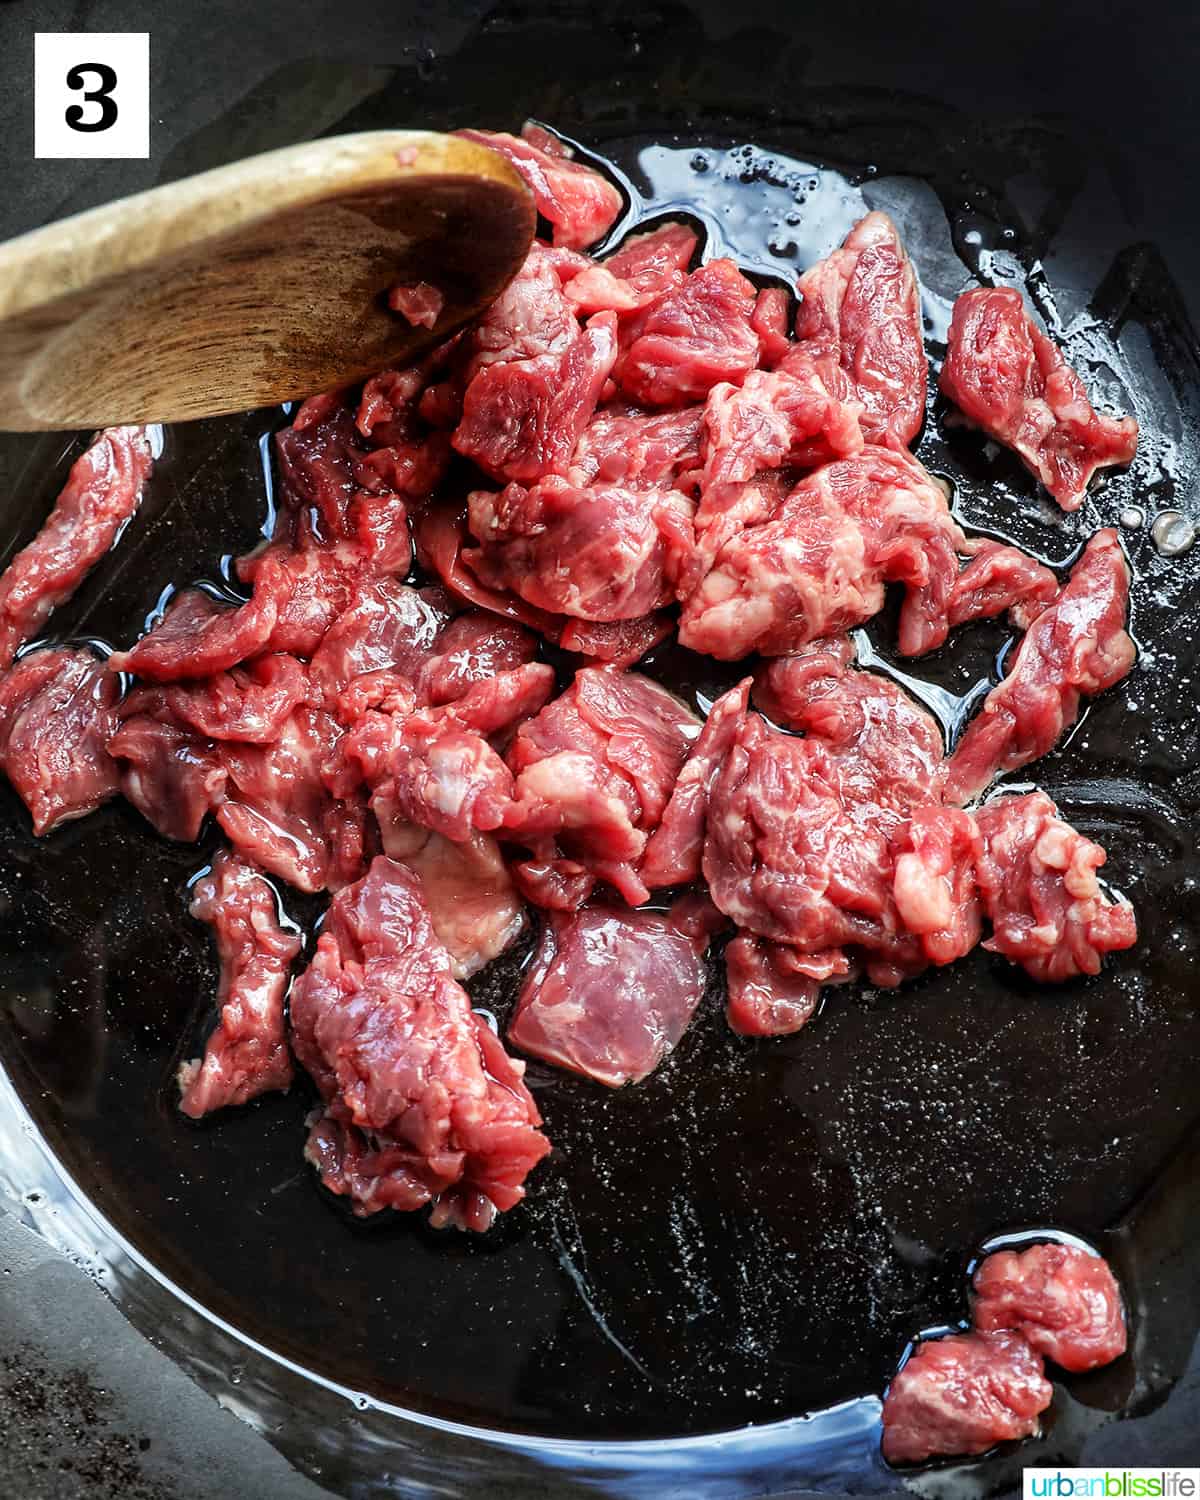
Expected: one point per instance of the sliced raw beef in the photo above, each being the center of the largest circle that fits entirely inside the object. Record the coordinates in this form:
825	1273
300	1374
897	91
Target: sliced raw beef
593	773
773	989
776	419
247	1054
1037	880
1076	647
770	319
306	590
440	534
646	266
250	703
101	493
57	714
1006	376
611	991
997	578
1063	1300
676	845
580	204
386	626
639	450
963	1394
418	303
170	774
522	418
615	643
473	903
422	1102
198	637
531	319
600	553
316	457
818	562
693	337
860	310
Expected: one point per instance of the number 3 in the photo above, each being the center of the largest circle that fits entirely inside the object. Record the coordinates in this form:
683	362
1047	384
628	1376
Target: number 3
100	95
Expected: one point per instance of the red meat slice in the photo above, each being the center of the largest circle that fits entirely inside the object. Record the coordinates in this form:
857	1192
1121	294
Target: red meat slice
172	776
102	491
386	626
471	651
612	991
247	1054
250	703
998	578
1064	1301
639	450
1076	647
593	773
598	553
776	419
817	563
530	319
440	533
676	845
473	902
522	418
1037	880
645	267
277	812
197	637
934	883
772	313
422	1102
57	713
861	310
615	643
675	350
1007	377
316	465
580	204
773	989
420	303
306	589
963	1394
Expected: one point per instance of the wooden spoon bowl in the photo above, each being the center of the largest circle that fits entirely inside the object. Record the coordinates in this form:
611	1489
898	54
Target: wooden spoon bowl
259	282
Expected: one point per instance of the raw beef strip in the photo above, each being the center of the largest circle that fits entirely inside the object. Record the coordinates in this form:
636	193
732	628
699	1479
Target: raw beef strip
675	350
817	564
277	811
998	578
419	303
1063	1300
580	204
639	450
170	774
1076	647
530	319
1007	377
386	626
772	313
316	467
197	637
597	553
101	493
422	1102
522	418
593	773
860	309
673	852
440	533
646	266
471	651
615	643
57	713
1037	879
934	883
250	703
473	903
611	991
773	989
306	589
247	1054
962	1394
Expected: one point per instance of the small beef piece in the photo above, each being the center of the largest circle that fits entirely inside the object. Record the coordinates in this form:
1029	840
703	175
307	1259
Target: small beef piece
1037	879
615	643
419	303
307	590
1077	647
639	450
472	651
316	457
774	989
593	774
676	845
247	1054
675	350
473	902
580	204
934	884
1007	377
772	313
816	563
963	1394
612	991
170	774
861	310
646	266
598	553
422	1102
250	703
440	534
197	637
998	578
1063	1300
102	491
523	417
530	318
57	714
386	626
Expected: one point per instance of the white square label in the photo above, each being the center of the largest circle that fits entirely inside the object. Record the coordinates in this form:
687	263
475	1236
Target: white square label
91	94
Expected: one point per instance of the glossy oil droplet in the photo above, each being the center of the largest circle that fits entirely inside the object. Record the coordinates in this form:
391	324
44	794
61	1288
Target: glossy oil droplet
1173	533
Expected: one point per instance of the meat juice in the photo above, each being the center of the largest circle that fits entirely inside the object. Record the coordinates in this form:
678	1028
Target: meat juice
756	1230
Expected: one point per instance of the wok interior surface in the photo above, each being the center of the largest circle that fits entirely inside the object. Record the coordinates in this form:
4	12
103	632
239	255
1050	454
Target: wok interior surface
755	1231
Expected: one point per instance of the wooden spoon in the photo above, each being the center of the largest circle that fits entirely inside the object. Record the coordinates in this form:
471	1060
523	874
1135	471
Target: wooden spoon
259	282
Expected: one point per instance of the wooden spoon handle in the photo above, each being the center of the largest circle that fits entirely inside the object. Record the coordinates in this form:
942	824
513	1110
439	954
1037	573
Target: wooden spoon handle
259	282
